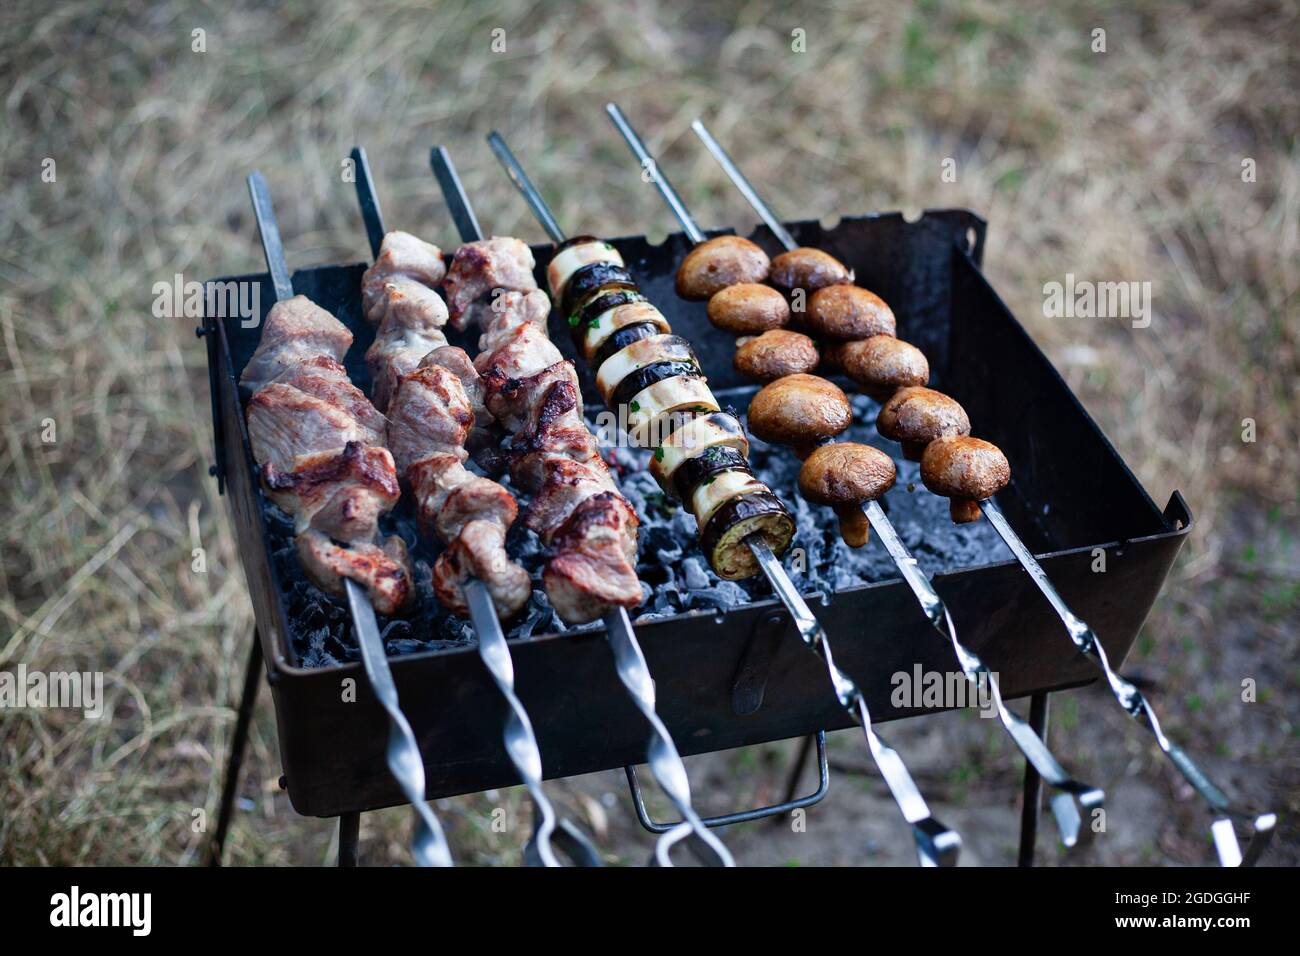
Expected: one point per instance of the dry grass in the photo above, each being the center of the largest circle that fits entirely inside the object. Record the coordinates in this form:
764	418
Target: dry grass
1122	165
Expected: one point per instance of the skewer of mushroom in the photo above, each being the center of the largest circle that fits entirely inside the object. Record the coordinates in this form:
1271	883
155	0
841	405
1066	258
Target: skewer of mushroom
434	404
934	430
808	413
700	458
576	509
320	447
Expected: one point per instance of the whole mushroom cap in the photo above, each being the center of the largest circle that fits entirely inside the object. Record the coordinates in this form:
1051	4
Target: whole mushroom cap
747	308
846	473
881	364
849	312
799	410
774	354
958	466
918	414
809	269
713	265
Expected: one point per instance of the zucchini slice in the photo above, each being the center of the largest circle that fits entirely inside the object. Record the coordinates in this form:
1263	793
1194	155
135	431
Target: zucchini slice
723	538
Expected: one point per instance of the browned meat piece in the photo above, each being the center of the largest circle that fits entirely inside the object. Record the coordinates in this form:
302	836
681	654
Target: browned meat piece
775	354
479	551
454	360
808	269
713	265
509	310
396	353
296	330
880	364
522	352
429	414
916	416
546	411
748	308
401	255
799	410
965	469
844	476
327	380
383	571
566	485
341	493
450	496
480	268
593	567
430	420
849	312
285	422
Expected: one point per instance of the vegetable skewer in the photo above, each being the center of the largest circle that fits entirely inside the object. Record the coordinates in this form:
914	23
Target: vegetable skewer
936	844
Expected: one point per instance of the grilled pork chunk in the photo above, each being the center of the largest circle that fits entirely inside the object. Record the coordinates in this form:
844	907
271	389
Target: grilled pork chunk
295	331
319	443
576	508
480	268
397	294
430	419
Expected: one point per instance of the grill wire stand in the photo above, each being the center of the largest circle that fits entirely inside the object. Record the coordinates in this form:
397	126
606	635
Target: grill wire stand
1223	813
429	844
520	740
936	844
665	762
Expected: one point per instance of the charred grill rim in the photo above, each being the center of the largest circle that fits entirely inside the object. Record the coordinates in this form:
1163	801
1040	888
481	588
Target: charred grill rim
636	382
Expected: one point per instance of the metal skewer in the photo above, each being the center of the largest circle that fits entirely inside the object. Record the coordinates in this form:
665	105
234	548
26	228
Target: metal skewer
429	844
936	844
520	740
665	762
1224	814
1075	806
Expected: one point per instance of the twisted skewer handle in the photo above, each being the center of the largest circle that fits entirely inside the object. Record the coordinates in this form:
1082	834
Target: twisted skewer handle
936	845
1224	815
521	742
429	844
665	763
1076	804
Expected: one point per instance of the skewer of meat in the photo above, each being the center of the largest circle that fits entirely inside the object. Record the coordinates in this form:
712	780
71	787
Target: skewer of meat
319	442
534	394
934	430
434	402
808	413
705	464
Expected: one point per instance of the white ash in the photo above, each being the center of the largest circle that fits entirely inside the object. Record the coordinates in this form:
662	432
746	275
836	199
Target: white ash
675	577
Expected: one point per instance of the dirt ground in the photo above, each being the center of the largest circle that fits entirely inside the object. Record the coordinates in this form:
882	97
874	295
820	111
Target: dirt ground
1169	156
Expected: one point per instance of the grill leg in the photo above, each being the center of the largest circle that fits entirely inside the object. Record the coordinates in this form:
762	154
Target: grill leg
230	786
1038	714
796	771
349	835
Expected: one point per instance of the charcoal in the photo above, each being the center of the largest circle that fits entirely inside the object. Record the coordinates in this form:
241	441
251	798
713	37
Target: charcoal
675	577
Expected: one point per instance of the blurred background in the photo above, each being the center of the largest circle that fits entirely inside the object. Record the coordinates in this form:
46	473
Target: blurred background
1171	157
